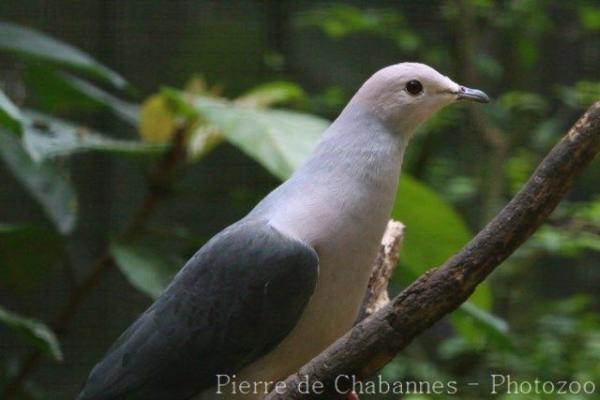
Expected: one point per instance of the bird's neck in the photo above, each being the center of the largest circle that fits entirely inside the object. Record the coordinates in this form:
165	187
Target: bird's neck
347	185
357	147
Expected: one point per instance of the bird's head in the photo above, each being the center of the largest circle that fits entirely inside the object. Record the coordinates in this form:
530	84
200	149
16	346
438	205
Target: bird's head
407	94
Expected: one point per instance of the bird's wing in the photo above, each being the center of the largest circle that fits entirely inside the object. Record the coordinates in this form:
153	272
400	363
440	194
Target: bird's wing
234	300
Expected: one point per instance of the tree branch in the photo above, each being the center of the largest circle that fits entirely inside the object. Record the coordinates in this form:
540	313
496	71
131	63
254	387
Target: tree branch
376	340
377	295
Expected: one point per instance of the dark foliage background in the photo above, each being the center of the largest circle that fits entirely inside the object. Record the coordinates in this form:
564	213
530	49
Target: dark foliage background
71	203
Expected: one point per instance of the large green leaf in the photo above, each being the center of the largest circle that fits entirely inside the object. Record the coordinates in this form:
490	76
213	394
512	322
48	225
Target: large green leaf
10	115
50	137
27	254
279	140
48	183
434	231
52	94
128	112
30	43
144	267
33	332
61	92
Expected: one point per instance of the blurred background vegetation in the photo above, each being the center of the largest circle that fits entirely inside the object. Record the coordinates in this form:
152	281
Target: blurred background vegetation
130	132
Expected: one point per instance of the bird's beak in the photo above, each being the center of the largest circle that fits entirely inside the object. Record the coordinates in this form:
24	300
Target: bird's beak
465	93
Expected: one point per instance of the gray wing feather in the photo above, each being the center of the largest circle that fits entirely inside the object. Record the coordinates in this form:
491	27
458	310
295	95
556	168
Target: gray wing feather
234	300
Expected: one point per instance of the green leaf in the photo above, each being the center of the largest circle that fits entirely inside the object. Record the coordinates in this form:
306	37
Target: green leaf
279	140
48	183
10	116
561	241
341	20
60	92
478	326
434	232
270	94
52	94
202	140
27	254
589	15
519	101
33	332
30	43
50	137
128	112
528	53
589	210
581	95
144	267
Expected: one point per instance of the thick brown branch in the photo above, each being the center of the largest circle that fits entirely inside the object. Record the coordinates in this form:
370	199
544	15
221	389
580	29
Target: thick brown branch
373	342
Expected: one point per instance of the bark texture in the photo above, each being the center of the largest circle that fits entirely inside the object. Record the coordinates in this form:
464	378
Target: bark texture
377	295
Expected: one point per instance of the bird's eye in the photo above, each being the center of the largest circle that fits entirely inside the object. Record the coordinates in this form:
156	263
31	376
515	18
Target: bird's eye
414	87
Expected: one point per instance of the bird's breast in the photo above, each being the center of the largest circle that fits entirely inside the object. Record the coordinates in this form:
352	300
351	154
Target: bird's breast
345	230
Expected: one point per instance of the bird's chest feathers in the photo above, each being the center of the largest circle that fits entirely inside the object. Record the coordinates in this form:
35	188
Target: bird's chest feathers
344	215
345	228
348	241
352	225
